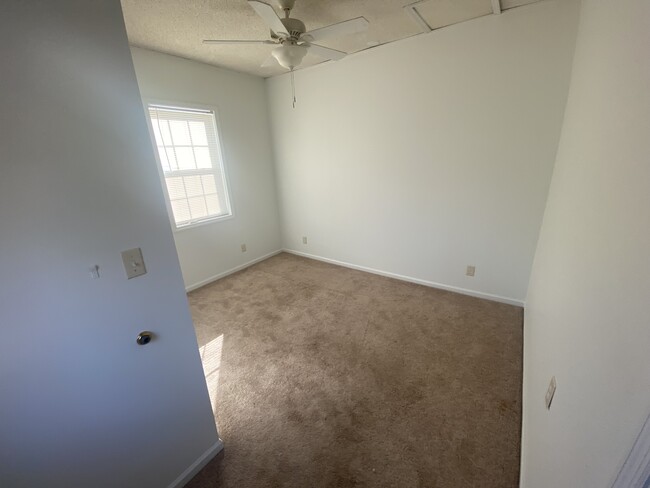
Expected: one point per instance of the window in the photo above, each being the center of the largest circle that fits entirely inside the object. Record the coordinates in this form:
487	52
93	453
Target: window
190	157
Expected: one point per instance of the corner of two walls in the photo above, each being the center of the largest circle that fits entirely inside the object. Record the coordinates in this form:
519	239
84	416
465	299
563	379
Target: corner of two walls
421	157
586	320
453	165
211	251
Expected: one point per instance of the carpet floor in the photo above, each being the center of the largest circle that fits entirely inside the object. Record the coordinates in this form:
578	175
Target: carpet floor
323	376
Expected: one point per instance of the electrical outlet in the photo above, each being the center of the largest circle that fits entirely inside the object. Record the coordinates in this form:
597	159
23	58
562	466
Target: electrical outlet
243	248
471	270
550	393
304	239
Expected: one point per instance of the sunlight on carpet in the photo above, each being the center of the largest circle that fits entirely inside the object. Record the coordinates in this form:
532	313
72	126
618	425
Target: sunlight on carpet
211	360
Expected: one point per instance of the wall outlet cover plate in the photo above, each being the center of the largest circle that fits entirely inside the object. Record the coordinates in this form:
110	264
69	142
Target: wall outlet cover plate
133	263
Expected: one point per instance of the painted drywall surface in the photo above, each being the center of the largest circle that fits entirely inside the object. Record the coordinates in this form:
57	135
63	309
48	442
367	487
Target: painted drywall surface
81	403
210	250
587	309
429	154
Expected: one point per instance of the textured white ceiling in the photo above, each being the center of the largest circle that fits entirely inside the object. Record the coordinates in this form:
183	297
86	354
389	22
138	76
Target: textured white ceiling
178	27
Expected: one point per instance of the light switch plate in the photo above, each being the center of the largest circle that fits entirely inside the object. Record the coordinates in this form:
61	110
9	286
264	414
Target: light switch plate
133	263
550	392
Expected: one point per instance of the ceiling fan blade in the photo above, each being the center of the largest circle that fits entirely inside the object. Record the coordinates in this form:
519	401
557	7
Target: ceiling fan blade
346	27
271	18
326	52
235	41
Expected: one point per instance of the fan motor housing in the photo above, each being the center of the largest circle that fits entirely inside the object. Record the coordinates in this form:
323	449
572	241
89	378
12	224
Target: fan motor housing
295	27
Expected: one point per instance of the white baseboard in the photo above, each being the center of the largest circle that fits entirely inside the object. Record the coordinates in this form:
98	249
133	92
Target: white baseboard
230	271
432	284
197	465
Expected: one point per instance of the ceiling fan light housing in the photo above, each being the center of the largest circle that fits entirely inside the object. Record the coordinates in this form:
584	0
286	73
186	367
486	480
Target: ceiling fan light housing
289	55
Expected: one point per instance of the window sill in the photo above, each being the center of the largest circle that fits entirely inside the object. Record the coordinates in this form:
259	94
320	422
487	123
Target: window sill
202	223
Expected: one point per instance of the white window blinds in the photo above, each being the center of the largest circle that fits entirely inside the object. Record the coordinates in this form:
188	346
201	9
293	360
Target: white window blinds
190	156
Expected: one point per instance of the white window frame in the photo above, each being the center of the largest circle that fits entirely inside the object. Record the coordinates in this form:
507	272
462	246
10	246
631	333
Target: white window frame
222	160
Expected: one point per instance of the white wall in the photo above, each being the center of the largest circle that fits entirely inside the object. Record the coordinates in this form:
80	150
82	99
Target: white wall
81	404
207	251
426	155
587	309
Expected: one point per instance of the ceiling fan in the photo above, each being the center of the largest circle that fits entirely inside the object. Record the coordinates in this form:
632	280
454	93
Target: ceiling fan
292	38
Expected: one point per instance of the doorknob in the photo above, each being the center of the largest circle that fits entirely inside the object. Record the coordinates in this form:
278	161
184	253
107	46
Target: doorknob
144	338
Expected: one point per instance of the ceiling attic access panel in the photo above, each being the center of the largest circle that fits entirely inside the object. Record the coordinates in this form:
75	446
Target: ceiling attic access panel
441	13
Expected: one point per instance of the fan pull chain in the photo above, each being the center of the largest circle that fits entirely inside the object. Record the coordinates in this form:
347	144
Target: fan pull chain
293	89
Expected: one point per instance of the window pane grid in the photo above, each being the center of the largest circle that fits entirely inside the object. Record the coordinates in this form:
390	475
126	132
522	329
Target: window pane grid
189	134
189	155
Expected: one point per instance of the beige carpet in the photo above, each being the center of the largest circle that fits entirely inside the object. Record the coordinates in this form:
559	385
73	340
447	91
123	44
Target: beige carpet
323	376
